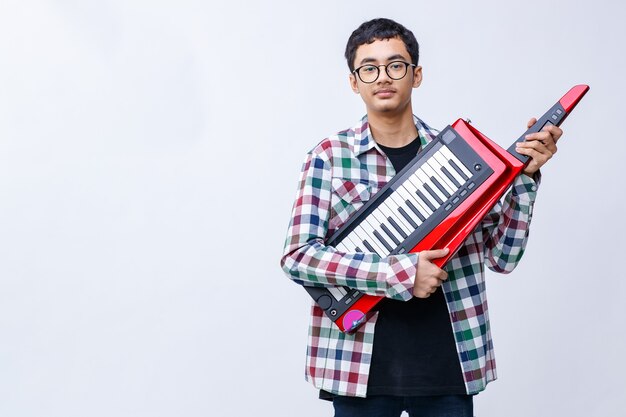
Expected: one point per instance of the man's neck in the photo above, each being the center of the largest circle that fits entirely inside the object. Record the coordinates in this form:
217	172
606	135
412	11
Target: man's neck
392	130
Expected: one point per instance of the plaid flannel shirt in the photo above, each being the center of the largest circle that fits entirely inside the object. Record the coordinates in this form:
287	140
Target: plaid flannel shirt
338	176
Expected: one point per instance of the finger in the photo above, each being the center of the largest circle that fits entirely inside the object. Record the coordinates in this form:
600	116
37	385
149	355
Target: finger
435	282
548	133
535	147
555	132
538	158
539	143
541	136
546	146
531	122
544	138
442	276
434	254
550	143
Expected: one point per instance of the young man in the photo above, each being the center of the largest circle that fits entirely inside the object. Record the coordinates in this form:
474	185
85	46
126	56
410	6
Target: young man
428	348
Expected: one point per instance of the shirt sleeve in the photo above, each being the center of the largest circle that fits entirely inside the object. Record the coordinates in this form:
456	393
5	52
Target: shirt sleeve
308	261
506	227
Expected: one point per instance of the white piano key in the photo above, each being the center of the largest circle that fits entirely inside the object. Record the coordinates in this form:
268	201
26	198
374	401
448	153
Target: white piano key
369	248
397	234
434	174
417	200
415	178
443	161
384	240
426	199
381	217
414	207
357	242
425	177
372	222
422	206
449	155
396	225
394	214
391	211
443	178
361	236
376	217
392	232
403	192
407	197
409	217
341	247
409	185
420	187
402	195
350	242
371	239
366	230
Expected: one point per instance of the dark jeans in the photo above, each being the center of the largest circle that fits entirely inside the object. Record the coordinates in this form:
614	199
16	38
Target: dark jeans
387	406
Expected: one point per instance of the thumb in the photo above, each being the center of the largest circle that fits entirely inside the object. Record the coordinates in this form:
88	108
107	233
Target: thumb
434	254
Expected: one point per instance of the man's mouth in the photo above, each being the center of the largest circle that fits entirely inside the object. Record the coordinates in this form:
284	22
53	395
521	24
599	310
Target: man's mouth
384	92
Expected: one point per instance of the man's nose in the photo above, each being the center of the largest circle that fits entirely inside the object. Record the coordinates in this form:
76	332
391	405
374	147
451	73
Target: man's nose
382	75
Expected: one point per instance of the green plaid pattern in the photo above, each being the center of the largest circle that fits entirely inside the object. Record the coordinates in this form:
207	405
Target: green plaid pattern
338	176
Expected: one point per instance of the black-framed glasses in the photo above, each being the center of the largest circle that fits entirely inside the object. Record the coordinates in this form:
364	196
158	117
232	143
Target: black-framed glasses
396	70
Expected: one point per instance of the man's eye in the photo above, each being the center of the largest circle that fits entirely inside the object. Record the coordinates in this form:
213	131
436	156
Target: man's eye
396	66
368	69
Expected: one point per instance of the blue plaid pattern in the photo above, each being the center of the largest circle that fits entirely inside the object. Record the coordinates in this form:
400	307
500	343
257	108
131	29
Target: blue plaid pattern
339	175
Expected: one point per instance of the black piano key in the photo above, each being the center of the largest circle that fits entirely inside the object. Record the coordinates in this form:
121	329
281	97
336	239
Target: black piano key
357	249
390	234
397	226
425	200
441	187
368	246
457	169
383	241
451	177
433	194
416	211
407	217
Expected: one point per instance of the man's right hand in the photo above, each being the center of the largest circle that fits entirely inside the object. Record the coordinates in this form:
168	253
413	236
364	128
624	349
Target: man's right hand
429	276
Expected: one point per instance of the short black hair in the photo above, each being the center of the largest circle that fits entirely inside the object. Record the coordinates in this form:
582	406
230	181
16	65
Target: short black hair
380	29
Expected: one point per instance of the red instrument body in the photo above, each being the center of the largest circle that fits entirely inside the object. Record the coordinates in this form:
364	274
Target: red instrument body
452	232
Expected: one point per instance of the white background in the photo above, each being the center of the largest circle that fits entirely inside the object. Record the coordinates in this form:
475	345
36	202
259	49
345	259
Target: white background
149	153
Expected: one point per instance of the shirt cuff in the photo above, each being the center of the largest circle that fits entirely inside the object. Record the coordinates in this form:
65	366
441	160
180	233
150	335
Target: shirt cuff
401	276
527	186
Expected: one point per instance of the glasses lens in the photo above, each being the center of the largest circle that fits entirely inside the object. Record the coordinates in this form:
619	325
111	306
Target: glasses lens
368	73
396	70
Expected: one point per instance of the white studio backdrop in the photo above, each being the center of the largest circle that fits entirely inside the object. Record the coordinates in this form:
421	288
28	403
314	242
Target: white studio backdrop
149	153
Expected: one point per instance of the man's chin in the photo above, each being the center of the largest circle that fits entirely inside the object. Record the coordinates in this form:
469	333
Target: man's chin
388	109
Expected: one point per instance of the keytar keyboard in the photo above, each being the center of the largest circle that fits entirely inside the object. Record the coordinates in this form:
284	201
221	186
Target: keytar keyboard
435	202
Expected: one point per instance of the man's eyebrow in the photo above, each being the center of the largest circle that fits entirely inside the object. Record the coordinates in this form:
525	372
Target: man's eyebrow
395	57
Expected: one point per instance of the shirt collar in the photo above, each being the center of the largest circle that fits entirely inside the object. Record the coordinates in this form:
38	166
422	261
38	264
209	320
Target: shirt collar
363	140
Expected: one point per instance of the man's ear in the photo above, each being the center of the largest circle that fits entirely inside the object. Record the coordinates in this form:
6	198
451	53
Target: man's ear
417	76
353	83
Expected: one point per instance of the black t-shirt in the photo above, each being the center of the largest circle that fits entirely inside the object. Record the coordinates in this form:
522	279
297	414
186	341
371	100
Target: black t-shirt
414	351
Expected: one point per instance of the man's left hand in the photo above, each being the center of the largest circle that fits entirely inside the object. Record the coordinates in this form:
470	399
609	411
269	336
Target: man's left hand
539	146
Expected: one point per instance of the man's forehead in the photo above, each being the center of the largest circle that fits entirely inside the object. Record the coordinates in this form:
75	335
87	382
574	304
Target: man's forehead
381	50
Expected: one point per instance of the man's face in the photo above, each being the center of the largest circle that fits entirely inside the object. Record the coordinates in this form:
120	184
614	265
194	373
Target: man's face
385	95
